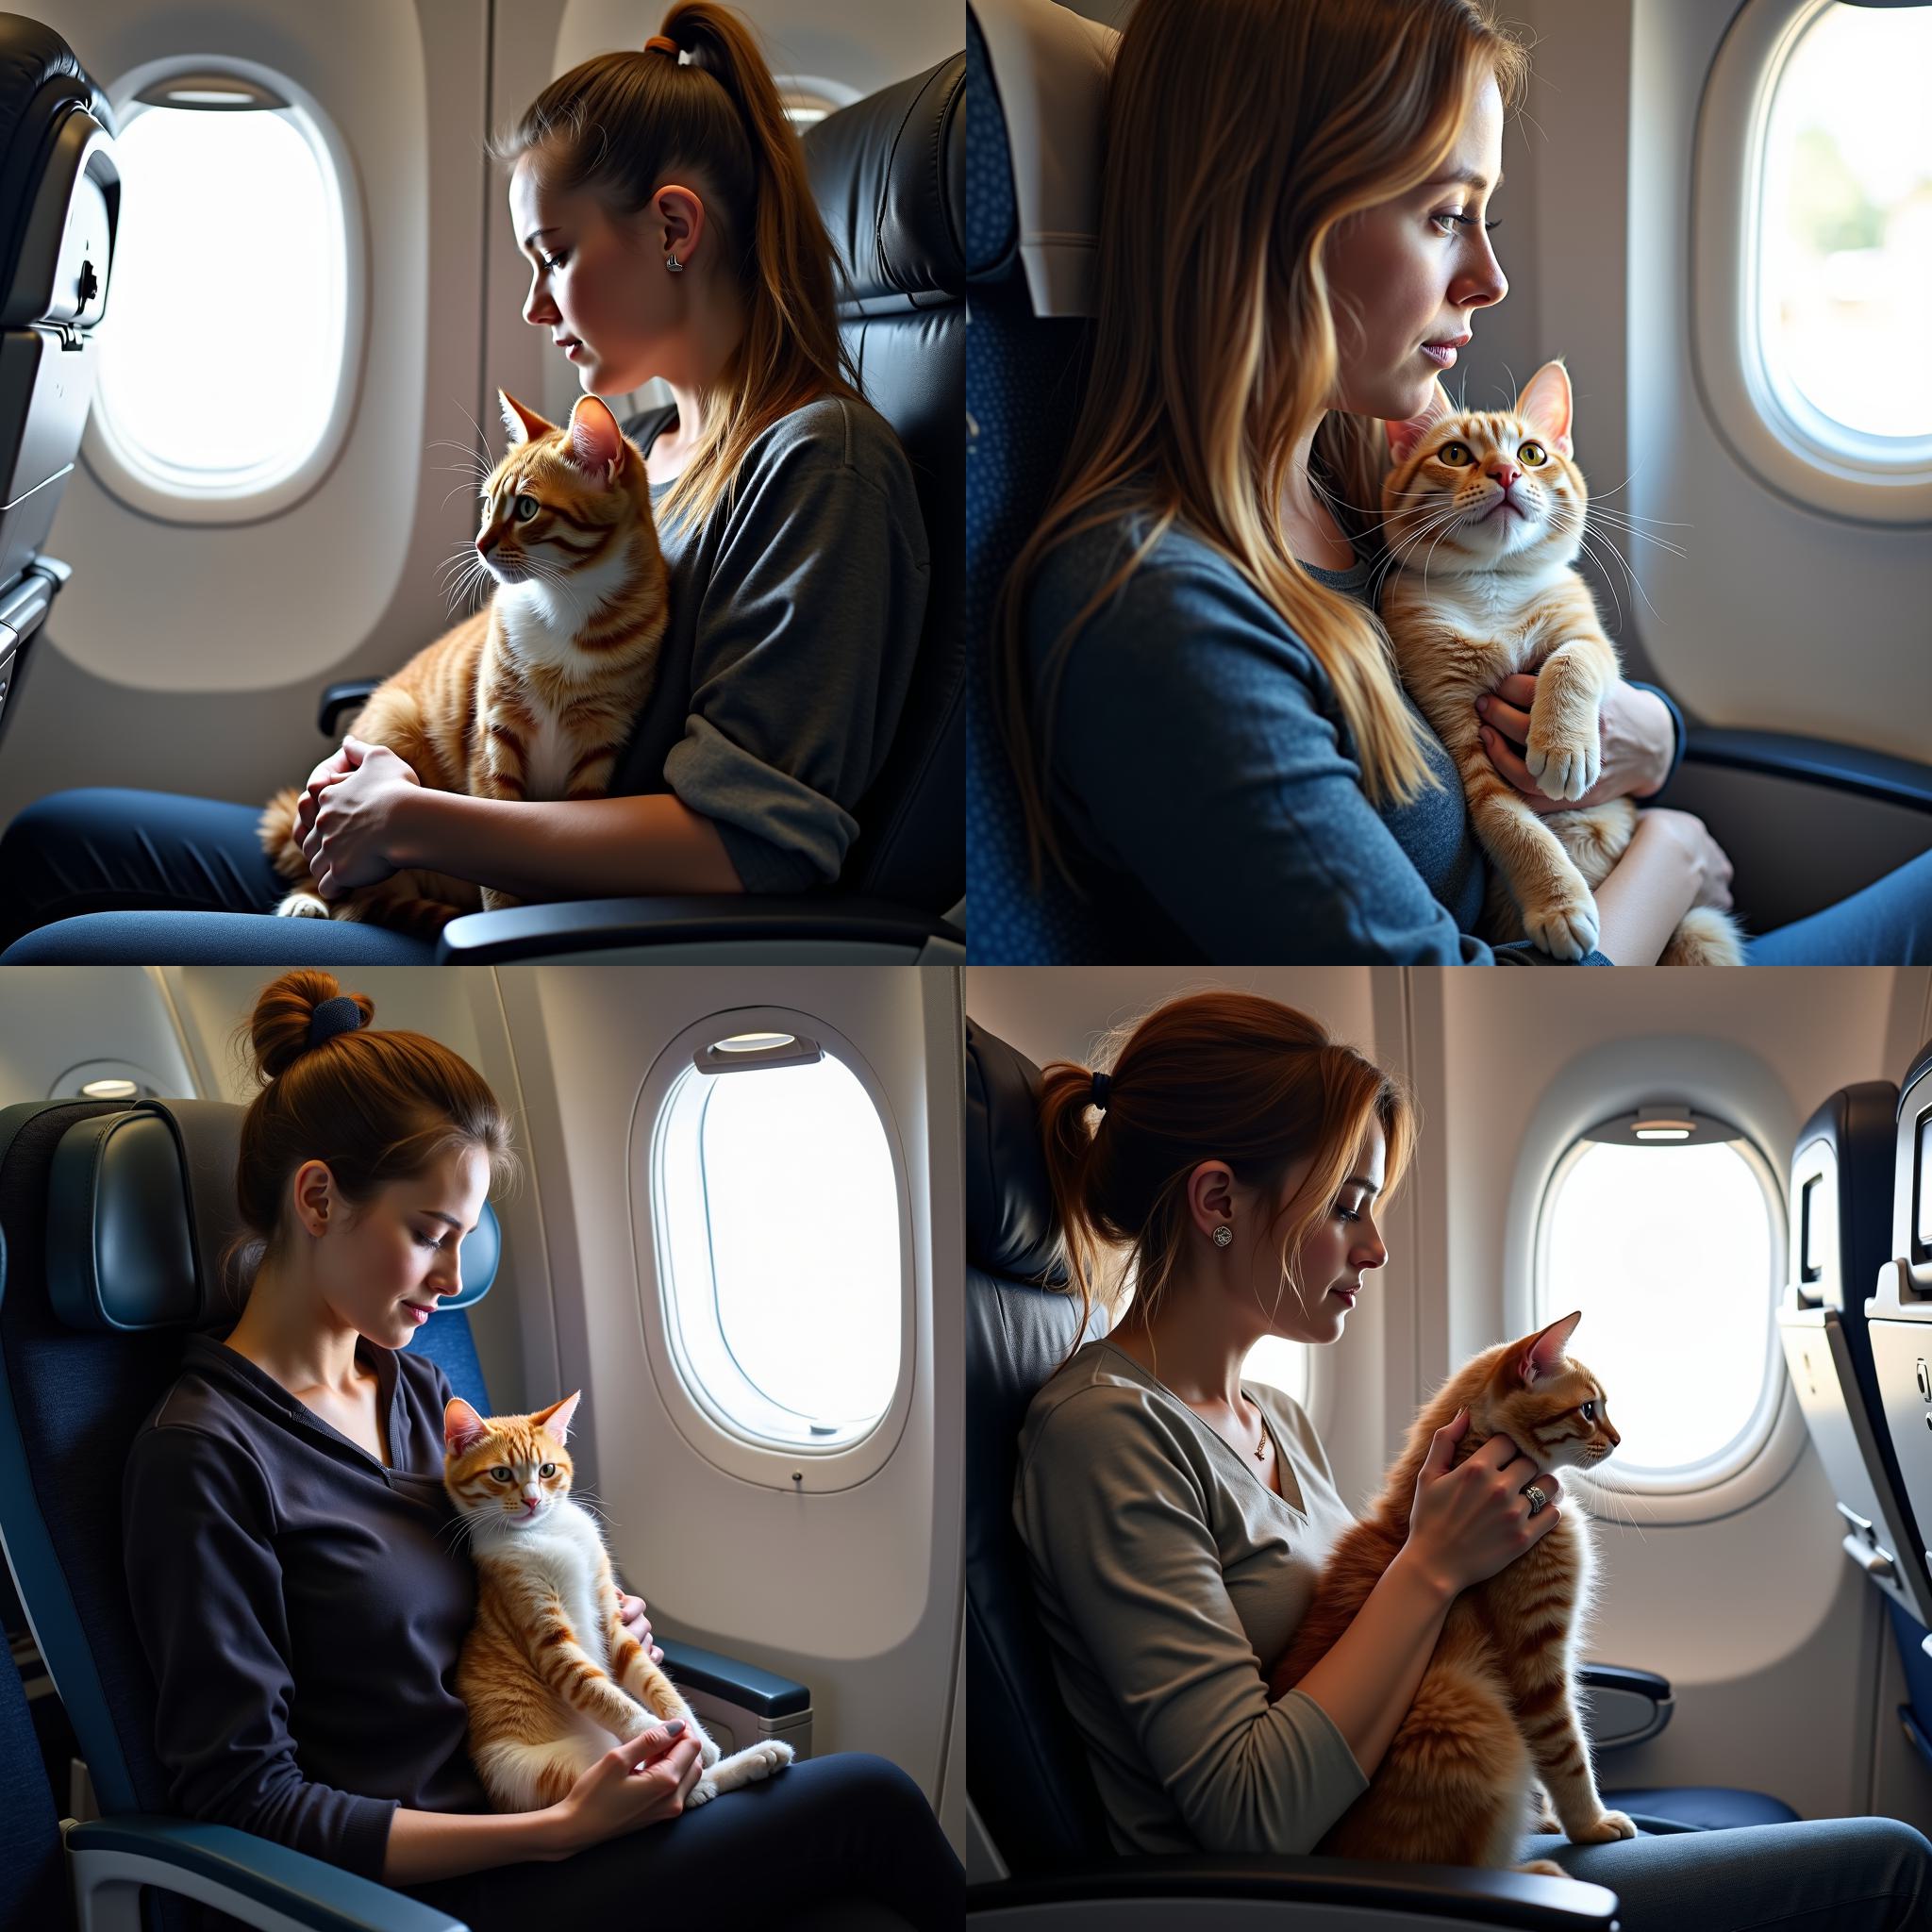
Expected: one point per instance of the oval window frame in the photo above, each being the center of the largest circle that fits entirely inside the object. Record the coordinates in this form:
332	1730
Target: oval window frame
118	471
1780	438
713	1434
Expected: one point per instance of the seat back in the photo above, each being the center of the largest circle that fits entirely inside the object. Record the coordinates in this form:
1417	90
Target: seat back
1025	1767
33	1872
113	1224
889	176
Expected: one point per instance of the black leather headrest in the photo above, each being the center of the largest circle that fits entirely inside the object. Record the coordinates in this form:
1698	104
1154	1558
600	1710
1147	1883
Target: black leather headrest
889	175
40	80
1846	1146
1010	1229
141	1212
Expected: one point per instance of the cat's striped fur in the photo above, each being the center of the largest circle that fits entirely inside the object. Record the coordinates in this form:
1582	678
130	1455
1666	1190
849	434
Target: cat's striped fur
1476	594
548	1673
535	695
1495	1713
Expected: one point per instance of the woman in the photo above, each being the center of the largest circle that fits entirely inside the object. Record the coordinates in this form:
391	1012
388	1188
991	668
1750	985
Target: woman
1176	1519
1201	715
299	1587
661	197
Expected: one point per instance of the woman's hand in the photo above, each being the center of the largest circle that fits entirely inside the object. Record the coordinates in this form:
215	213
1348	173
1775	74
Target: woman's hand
1634	726
1708	863
1472	1521
630	1613
346	840
630	1785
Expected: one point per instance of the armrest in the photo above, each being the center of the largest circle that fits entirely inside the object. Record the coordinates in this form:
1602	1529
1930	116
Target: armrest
1625	1706
337	698
1814	761
1322	1887
762	1692
596	926
238	1872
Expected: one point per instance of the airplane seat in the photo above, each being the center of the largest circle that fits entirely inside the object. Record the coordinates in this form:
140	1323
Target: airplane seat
59	216
1025	371
33	1879
1035	1817
887	172
115	1223
1898	1316
1841	1234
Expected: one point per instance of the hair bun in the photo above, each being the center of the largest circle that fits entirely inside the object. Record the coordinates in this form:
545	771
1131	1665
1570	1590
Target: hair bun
283	1025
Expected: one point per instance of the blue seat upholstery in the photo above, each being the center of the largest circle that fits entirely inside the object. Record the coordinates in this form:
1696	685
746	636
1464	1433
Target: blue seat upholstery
1028	1779
33	1874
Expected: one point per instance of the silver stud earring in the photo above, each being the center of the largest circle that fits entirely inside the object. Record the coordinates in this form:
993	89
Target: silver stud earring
672	262
1223	1234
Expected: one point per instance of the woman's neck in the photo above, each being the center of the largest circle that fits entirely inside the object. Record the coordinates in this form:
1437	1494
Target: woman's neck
1191	1347
280	1334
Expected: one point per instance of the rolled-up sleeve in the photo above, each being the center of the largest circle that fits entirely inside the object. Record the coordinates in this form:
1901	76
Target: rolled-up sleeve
1132	1567
206	1588
803	651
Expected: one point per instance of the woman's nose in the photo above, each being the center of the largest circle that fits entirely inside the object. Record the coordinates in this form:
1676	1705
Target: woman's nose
540	311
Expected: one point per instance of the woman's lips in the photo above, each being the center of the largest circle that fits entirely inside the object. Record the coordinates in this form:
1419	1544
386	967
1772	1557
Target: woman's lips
1347	1294
1442	358
417	1315
574	349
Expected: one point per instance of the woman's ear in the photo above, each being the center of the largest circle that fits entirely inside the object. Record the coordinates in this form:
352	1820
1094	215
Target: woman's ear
678	222
1210	1195
313	1193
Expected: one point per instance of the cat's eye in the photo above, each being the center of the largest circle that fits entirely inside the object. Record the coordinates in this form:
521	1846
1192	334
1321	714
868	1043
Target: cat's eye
1589	1411
1534	454
549	1469
524	508
1454	454
500	1473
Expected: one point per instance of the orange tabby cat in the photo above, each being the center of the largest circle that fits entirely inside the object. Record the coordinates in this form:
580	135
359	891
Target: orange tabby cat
549	1674
1483	512
1496	1711
535	695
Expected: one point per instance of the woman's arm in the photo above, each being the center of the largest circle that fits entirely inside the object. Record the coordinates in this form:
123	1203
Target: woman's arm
1671	864
1639	729
445	1844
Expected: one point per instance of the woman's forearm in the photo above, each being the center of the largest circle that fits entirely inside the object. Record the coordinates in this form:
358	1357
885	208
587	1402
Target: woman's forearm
443	1844
1645	897
571	848
1367	1682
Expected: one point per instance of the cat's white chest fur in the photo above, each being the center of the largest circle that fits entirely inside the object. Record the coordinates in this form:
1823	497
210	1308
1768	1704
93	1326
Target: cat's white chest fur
563	1551
542	618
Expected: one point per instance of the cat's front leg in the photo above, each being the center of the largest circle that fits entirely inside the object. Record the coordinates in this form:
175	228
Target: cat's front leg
630	1663
1564	749
1558	911
1547	1715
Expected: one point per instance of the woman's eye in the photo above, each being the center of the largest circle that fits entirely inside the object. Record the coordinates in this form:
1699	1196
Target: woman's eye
430	1241
1466	220
1454	454
1534	454
553	262
525	508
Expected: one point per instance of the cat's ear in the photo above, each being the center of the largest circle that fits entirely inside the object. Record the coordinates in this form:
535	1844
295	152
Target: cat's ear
556	1418
1547	404
463	1428
1403	436
596	444
523	425
1544	1354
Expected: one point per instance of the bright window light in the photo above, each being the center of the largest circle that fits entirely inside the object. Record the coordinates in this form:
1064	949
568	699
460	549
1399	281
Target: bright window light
1845	239
779	1210
1675	1254
1280	1363
223	349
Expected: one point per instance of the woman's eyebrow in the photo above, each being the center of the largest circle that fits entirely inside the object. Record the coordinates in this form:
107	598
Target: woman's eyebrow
1363	1181
1468	178
535	234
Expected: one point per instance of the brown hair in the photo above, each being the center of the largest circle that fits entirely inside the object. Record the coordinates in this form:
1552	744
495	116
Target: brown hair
622	124
1208	1077
375	1107
1240	135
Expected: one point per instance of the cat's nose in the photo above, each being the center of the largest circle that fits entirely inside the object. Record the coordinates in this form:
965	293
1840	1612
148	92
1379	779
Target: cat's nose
486	542
1506	474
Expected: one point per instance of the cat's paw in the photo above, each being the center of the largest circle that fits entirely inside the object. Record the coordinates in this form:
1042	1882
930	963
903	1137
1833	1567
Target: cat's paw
762	1758
707	1749
1565	926
1564	764
1610	1827
303	905
1545	1868
701	1793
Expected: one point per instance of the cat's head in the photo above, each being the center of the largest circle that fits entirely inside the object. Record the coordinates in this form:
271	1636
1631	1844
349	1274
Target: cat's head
1540	1396
1487	489
507	1473
547	503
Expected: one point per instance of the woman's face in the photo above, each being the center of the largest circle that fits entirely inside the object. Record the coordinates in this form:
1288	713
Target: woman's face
605	287
1415	269
379	1263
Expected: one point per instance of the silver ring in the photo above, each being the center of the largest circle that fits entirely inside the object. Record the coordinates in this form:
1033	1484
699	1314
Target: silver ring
1537	1499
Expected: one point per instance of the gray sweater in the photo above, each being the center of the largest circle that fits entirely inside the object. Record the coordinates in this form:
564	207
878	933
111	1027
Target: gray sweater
1168	1576
796	616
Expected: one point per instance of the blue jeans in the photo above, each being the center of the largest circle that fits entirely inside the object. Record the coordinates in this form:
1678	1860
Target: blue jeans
1821	1874
1889	924
109	876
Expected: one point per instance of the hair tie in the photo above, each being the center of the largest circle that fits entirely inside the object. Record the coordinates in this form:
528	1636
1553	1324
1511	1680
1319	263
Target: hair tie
332	1016
661	43
1103	1085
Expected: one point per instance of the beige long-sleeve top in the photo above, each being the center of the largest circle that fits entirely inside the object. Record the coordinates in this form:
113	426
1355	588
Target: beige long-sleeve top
1168	1576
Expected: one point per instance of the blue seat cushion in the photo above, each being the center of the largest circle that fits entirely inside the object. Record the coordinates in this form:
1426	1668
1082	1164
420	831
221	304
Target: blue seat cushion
1709	1807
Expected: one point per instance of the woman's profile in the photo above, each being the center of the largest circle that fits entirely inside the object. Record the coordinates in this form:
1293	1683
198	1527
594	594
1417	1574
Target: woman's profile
1203	724
1234	1160
659	199
296	1568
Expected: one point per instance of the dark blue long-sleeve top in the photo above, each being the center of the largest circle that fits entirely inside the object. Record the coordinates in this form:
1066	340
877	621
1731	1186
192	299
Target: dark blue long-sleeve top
302	1606
1208	784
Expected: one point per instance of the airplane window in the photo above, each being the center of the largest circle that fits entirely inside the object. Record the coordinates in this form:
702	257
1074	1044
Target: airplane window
222	351
1673	1249
1845	223
780	1248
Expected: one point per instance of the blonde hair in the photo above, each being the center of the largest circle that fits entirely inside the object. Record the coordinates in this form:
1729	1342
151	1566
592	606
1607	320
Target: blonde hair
620	126
1239	136
1208	1077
